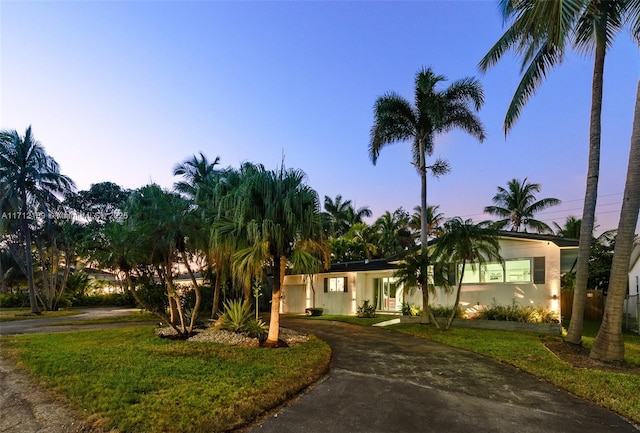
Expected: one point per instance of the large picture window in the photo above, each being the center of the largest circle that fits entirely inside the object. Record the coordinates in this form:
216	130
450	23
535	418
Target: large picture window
511	271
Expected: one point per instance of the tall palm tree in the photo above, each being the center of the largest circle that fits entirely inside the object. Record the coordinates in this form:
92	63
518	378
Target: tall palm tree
540	31
272	214
517	205
433	112
462	243
609	343
31	178
394	236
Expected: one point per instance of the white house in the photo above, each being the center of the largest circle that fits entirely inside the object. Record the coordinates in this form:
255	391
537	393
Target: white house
632	303
530	275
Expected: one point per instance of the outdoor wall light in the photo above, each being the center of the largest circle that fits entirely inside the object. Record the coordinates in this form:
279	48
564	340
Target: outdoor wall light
554	297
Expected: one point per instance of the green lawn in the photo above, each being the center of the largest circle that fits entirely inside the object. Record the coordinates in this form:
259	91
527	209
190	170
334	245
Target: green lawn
133	381
13	314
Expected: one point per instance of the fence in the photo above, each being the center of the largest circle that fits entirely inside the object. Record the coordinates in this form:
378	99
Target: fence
593	307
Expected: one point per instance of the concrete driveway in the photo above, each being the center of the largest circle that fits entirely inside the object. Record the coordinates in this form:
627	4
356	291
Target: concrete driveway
385	381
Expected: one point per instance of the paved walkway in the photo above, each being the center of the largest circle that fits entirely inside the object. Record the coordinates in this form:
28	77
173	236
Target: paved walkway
385	381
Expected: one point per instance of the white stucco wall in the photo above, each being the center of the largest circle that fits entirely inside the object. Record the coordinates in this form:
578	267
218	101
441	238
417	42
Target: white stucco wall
632	304
525	294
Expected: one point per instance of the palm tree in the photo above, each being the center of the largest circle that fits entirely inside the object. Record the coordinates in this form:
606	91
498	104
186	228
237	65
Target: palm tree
571	228
434	220
394	236
517	205
464	242
609	343
195	172
540	31
341	215
273	213
409	275
433	112
32	178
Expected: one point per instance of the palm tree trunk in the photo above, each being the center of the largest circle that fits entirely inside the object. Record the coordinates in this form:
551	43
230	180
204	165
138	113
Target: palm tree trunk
609	344
455	304
28	258
279	266
216	295
424	238
574	334
3	282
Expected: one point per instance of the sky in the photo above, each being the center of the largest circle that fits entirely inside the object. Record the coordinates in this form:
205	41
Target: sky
123	91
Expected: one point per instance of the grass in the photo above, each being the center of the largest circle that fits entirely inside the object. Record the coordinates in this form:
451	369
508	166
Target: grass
13	314
129	318
138	382
614	390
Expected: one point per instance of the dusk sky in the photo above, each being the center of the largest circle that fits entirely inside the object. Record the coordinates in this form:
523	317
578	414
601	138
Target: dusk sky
123	91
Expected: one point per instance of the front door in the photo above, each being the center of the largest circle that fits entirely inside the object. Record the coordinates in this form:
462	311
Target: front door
388	294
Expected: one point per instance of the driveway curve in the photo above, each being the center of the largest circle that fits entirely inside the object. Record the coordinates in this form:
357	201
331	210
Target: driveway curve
385	381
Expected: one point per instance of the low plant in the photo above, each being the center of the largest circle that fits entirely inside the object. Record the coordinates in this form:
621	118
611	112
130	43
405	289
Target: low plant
314	311
409	309
235	316
518	313
442	311
256	328
366	310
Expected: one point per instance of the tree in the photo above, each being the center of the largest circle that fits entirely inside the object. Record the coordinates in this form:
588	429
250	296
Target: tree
462	243
609	343
394	235
571	228
434	220
195	172
32	178
517	205
433	112
271	214
540	31
341	215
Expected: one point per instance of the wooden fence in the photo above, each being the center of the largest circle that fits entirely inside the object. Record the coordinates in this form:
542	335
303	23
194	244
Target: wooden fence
593	307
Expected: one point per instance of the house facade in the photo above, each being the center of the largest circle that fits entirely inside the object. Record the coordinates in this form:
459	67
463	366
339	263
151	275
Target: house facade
632	302
530	275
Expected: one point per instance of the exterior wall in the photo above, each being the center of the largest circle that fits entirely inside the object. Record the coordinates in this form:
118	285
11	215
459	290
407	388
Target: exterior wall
525	294
632	303
361	286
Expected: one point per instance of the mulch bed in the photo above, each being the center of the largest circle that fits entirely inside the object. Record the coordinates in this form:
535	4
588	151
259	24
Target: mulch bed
578	356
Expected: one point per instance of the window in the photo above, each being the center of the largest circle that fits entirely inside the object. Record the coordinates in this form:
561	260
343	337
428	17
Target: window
336	284
518	271
511	271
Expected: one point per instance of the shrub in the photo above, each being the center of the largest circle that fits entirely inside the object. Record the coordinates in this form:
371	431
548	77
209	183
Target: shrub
314	311
14	300
236	315
442	311
518	313
256	329
410	309
366	310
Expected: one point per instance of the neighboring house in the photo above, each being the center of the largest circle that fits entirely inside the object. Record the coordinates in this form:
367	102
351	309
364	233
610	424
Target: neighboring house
530	275
632	303
104	282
